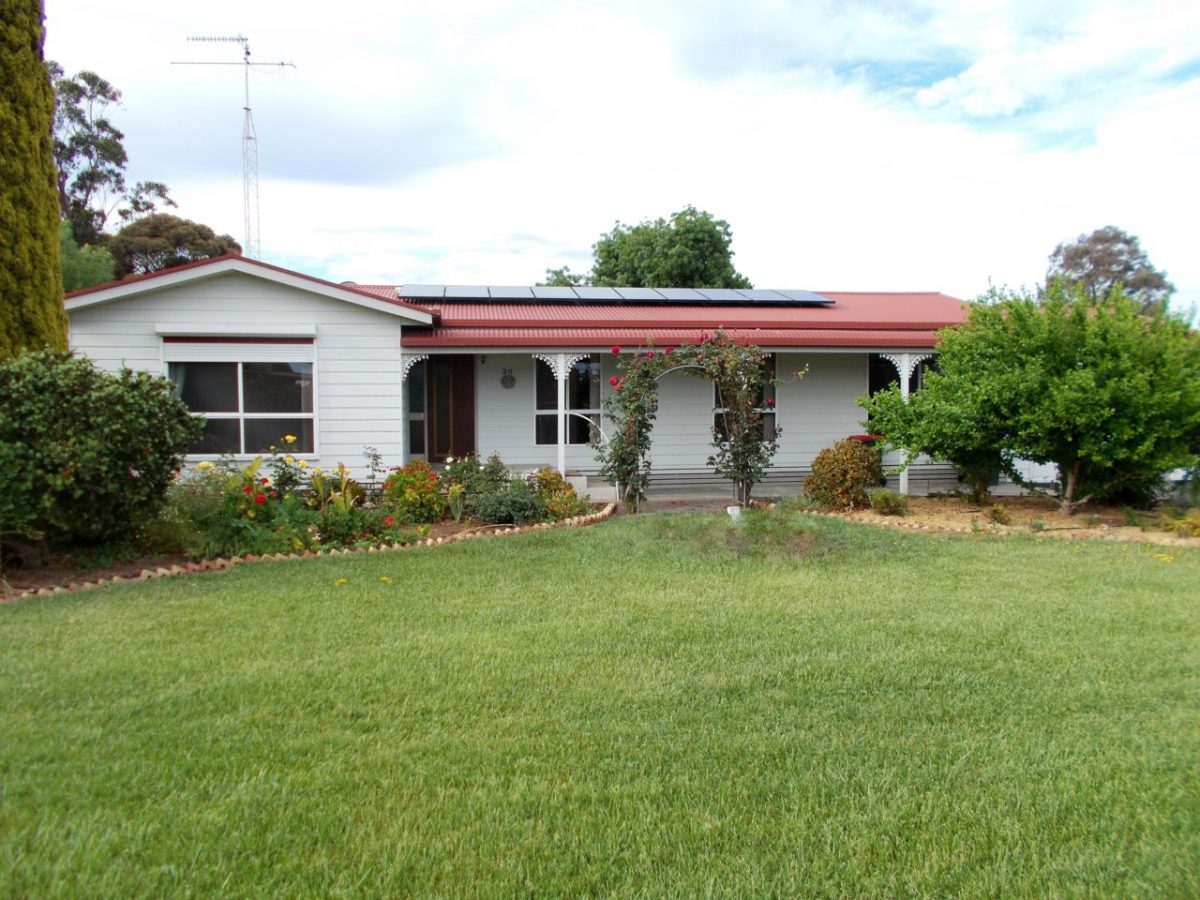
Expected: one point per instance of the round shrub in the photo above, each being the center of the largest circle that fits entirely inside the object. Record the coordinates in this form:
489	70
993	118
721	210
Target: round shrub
414	493
88	455
842	475
557	495
888	503
518	503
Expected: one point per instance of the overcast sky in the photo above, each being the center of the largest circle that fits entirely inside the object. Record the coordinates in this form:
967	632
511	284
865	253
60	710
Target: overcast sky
931	145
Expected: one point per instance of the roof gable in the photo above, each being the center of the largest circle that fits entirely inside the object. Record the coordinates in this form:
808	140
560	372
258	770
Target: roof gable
220	265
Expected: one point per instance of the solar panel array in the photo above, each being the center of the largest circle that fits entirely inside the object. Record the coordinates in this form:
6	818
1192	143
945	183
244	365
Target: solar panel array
611	295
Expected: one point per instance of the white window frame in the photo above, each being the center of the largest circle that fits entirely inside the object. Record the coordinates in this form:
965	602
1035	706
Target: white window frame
225	352
593	414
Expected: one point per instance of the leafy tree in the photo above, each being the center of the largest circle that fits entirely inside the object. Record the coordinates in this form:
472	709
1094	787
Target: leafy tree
89	152
82	267
1108	257
691	249
563	277
160	241
31	311
1108	393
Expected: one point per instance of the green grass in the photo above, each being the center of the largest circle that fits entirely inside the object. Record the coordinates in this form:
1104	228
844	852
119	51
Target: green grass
660	706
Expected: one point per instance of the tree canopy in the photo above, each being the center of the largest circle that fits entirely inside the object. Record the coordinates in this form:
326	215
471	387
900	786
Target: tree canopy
160	241
89	152
1106	258
691	249
82	267
1105	391
31	311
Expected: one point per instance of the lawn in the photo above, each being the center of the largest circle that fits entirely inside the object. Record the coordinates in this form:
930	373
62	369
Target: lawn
659	706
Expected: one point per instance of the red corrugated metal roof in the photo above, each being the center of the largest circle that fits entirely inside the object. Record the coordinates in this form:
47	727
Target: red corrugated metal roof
877	319
414	338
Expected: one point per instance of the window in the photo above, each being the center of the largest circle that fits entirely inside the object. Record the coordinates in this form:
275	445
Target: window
765	405
583	398
248	406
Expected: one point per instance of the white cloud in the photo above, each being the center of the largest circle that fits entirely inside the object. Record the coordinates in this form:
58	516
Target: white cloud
850	145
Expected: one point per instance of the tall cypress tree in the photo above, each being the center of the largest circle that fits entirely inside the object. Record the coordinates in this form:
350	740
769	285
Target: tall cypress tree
31	308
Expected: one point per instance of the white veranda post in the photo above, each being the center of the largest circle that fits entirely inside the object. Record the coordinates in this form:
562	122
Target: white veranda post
905	363
561	364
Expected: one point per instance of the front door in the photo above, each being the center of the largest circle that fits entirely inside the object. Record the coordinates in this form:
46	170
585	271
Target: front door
450	407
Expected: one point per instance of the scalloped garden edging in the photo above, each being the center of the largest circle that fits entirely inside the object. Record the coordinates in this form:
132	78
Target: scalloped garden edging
221	564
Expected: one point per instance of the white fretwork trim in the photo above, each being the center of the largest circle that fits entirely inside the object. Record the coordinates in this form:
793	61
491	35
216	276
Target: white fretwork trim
913	360
568	362
408	360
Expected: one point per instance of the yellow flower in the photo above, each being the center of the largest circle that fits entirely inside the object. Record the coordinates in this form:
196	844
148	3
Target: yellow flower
290	460
341	581
303	464
203	466
289	439
1164	558
317	470
385	579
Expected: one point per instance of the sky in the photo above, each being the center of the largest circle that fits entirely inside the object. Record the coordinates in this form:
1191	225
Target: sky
930	145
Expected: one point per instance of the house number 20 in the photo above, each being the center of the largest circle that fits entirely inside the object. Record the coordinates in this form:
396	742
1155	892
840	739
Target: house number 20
507	379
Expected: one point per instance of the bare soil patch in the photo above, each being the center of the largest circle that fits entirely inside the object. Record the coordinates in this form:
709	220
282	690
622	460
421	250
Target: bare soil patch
1028	515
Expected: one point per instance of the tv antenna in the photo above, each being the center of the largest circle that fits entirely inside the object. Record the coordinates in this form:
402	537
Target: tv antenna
249	138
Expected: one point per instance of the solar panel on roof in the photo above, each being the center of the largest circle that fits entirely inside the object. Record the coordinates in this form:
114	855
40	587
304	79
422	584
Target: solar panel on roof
681	295
806	297
720	295
466	292
597	293
764	296
638	294
421	291
507	292
545	292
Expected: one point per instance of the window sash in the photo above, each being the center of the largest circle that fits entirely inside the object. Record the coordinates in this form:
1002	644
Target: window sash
250	423
578	431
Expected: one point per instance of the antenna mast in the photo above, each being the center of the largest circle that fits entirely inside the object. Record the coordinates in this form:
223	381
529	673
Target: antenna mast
252	248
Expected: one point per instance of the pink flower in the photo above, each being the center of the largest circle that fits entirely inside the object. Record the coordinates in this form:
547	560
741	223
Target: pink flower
264	481
649	354
620	387
616	349
247	490
705	337
669	350
614	381
260	499
771	402
390	520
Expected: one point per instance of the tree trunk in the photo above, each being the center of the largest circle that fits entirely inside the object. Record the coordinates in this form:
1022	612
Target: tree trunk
1067	501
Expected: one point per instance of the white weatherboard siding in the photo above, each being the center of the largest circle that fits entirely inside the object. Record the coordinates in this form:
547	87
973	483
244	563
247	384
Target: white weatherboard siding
357	351
817	409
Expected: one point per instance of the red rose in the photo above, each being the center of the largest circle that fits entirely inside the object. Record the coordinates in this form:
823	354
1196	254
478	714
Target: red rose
247	490
264	481
616	349
614	381
649	354
390	520
669	350
620	387
771	401
260	499
274	493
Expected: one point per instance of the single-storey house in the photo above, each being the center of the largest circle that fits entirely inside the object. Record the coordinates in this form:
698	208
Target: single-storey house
435	371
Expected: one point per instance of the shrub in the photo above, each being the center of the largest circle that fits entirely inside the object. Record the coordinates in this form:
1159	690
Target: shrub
888	503
88	455
1186	525
843	473
518	503
998	514
226	510
557	494
414	493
